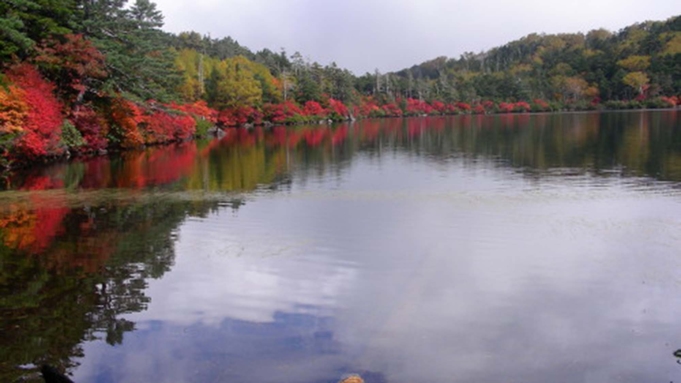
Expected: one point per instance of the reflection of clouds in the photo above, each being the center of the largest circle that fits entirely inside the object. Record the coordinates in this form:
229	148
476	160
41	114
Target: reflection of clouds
232	271
291	347
476	282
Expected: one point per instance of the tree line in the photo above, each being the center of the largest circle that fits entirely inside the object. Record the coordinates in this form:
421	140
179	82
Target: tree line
85	76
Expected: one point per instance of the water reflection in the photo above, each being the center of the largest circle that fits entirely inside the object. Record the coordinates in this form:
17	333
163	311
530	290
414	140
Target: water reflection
476	247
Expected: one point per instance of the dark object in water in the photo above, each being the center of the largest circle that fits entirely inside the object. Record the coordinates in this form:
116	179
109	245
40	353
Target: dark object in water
51	375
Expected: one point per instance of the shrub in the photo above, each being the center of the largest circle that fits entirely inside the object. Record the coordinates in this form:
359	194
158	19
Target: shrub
13	110
70	136
202	127
42	125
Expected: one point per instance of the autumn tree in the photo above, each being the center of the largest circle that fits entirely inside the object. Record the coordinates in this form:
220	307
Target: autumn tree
232	85
73	64
636	80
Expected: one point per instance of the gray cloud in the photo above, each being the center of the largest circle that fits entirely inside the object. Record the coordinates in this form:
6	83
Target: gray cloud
391	35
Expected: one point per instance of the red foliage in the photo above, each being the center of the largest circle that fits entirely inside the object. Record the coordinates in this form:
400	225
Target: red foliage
313	108
488	105
314	136
239	116
126	115
392	110
42	128
198	109
451	109
92	127
242	114
48	226
278	137
438	107
184	127
521	106
159	166
339	135
479	109
541	105
226	118
245	138
417	107
281	113
155	128
506	107
463	106
415	127
369	108
168	164
337	109
156	125
71	63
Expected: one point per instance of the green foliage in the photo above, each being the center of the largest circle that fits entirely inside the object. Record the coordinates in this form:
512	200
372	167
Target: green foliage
202	127
70	136
555	67
138	57
24	23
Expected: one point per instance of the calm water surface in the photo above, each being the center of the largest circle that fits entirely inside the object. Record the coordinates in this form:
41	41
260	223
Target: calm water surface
508	248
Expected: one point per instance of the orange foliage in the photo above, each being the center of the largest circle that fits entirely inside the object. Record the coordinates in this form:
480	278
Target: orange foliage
33	228
155	125
42	127
126	115
13	110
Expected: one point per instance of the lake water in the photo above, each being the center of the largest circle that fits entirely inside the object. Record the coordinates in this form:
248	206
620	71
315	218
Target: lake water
508	248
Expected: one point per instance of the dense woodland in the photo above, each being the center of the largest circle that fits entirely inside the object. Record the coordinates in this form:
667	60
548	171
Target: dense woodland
84	76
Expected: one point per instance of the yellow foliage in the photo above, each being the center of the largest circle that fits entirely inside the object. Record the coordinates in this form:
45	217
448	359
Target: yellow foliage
554	43
13	110
635	63
636	80
236	85
592	91
673	45
18	228
520	69
635	36
190	63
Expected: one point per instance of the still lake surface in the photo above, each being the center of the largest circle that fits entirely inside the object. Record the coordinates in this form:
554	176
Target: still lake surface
514	248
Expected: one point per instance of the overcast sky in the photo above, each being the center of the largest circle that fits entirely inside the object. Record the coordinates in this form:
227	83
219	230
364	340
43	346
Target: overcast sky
363	35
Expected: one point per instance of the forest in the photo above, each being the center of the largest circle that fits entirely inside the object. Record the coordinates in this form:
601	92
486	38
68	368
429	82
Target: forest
82	77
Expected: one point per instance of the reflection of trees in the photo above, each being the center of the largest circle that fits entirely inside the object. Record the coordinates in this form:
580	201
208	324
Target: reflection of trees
71	265
78	287
641	143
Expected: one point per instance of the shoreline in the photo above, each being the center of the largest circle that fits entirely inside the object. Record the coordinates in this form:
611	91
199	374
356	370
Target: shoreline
219	132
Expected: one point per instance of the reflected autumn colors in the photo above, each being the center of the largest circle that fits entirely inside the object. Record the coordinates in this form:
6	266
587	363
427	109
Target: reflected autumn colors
81	241
645	144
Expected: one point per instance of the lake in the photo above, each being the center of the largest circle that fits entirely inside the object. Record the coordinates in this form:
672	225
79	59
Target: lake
514	248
